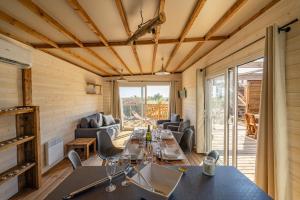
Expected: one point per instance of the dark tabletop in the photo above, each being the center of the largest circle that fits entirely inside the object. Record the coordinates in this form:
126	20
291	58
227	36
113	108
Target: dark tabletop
227	184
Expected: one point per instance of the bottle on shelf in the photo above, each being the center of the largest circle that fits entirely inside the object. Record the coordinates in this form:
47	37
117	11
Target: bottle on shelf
148	135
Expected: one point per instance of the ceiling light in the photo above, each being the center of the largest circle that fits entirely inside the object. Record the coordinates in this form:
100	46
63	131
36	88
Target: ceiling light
163	71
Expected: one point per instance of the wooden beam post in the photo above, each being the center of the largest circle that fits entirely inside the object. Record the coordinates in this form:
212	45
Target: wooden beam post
27	87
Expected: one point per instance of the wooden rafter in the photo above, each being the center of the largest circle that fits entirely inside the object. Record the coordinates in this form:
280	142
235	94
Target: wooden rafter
44	50
198	7
228	14
247	22
139	42
46	17
123	16
156	37
14	22
92	26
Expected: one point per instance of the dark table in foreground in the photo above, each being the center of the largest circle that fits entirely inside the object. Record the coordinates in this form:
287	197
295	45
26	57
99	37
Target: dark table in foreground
227	184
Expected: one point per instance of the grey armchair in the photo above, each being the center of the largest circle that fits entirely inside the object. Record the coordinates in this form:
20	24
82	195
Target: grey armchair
174	120
178	131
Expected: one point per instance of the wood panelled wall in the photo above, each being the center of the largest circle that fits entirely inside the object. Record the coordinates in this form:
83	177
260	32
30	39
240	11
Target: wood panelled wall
59	88
293	105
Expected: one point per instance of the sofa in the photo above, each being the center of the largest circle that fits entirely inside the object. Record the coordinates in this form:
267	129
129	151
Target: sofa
174	121
90	125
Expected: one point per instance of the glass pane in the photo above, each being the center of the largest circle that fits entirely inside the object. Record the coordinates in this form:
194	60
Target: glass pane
157	105
231	114
249	93
132	103
216	105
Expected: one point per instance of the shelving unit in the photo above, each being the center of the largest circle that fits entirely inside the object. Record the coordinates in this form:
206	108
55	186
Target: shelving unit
27	141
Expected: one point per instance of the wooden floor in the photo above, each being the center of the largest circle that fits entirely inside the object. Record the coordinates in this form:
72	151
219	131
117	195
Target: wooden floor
57	174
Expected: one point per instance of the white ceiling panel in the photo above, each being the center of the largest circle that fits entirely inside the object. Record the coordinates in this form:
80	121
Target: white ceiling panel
127	55
247	11
184	49
106	17
177	14
209	15
145	53
65	15
21	13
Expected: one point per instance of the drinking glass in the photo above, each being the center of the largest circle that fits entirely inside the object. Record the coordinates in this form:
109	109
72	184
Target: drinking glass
111	165
124	163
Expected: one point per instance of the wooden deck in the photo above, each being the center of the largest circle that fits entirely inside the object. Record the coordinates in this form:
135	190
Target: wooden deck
246	150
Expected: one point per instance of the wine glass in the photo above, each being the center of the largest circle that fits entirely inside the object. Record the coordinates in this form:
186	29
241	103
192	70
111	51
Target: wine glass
111	165
124	163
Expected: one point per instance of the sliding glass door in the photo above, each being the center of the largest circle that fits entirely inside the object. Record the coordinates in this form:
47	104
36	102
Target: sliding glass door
132	106
215	115
143	104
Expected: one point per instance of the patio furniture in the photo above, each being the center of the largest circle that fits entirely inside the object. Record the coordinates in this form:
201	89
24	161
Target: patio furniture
74	159
82	144
174	120
251	125
186	142
228	184
90	125
178	131
105	147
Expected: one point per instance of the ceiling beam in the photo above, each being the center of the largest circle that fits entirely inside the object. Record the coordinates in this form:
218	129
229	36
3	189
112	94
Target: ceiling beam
47	18
46	51
198	7
16	23
124	43
124	19
247	22
156	36
92	26
228	14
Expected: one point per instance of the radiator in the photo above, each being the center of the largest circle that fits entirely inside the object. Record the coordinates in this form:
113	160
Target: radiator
54	151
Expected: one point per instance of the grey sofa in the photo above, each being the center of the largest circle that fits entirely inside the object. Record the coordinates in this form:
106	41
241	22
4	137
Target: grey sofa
90	125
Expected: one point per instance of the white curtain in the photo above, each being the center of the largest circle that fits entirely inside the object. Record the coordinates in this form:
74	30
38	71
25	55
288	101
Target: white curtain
200	115
272	170
175	101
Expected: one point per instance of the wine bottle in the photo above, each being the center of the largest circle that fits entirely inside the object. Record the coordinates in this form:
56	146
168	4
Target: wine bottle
148	135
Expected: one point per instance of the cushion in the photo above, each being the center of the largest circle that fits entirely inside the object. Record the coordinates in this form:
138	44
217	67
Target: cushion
175	118
99	119
84	123
94	124
108	120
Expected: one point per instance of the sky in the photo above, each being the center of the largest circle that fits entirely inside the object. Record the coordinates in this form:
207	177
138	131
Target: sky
151	90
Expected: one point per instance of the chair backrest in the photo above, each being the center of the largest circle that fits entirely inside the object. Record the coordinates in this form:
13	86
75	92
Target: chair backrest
186	142
214	154
184	125
103	143
74	159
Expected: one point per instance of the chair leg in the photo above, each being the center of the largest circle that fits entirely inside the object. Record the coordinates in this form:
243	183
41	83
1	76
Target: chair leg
103	162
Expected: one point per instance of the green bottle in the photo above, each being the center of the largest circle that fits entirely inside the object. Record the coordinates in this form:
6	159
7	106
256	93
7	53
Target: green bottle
148	135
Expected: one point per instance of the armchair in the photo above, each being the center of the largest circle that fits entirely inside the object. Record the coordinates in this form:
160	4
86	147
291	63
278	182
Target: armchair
178	131
174	120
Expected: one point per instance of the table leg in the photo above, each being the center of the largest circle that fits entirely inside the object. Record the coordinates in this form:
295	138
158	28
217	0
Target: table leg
95	150
87	153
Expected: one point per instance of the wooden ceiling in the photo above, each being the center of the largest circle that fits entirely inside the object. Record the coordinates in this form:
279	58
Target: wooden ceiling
92	34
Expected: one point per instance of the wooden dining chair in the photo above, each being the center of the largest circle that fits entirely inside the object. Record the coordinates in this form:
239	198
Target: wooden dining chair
74	159
251	125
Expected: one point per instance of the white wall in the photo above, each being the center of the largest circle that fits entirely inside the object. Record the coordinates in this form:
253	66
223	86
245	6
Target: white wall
59	88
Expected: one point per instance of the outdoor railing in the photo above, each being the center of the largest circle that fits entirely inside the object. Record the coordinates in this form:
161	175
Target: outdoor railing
157	111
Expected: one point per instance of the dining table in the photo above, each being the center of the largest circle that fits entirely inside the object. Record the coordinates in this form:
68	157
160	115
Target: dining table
228	183
167	141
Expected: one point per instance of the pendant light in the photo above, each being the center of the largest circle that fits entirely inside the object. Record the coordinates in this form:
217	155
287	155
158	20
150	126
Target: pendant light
163	71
